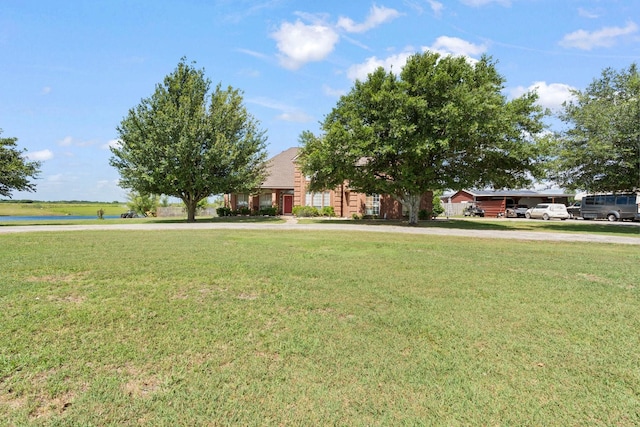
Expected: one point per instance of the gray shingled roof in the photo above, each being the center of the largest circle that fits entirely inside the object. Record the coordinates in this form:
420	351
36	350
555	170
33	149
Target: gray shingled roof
280	170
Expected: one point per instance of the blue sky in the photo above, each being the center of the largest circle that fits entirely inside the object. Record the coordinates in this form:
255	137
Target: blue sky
72	69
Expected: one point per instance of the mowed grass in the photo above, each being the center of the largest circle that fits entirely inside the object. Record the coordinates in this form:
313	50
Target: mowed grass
60	209
222	327
622	228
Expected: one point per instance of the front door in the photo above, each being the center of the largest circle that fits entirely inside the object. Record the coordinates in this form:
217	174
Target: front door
287	200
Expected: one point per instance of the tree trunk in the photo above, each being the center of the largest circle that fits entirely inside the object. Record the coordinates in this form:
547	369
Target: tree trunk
191	205
413	200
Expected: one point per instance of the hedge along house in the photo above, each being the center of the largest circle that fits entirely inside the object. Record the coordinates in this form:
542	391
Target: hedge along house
346	203
287	187
495	203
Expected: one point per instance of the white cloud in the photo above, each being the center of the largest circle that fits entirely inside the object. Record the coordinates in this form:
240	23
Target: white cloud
300	43
416	5
40	155
550	95
253	53
479	3
287	112
66	141
377	16
394	62
46	90
605	37
269	103
587	13
69	141
436	7
334	93
115	143
295	116
455	46
443	45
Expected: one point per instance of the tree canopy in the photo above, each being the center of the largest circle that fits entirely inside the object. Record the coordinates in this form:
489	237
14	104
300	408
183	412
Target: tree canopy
189	142
443	123
600	150
16	172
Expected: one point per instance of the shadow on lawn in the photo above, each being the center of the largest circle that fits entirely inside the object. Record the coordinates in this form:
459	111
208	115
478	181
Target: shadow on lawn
224	219
580	226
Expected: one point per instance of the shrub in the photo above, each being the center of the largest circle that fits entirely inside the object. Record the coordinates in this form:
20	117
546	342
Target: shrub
223	211
328	211
356	216
268	211
424	214
305	211
244	211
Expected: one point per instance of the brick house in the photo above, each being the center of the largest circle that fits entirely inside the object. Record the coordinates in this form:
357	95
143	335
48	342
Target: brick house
286	187
276	190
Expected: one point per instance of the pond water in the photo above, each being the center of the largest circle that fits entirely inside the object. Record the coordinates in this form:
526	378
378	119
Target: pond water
51	217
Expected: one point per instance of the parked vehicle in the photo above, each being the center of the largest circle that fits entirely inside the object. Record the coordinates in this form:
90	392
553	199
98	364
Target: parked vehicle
129	214
574	209
517	211
473	211
613	207
548	211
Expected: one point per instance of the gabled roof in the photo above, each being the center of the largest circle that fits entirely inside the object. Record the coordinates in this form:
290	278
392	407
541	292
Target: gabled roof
281	170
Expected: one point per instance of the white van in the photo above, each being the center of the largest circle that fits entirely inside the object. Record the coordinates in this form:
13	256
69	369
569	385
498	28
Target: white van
547	211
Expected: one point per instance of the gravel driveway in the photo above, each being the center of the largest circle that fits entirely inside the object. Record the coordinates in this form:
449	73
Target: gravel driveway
293	225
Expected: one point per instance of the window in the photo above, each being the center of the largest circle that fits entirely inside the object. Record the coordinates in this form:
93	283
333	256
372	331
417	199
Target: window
242	200
623	200
266	200
318	200
372	204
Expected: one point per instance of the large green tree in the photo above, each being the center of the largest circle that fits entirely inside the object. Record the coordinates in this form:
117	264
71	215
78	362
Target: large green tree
600	150
16	171
443	123
189	142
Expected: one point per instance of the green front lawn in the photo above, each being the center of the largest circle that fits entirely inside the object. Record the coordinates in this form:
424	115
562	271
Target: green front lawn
60	209
569	226
215	327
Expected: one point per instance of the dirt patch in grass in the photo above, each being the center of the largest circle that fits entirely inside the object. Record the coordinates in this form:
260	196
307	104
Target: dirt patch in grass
592	278
39	403
137	382
46	407
141	387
